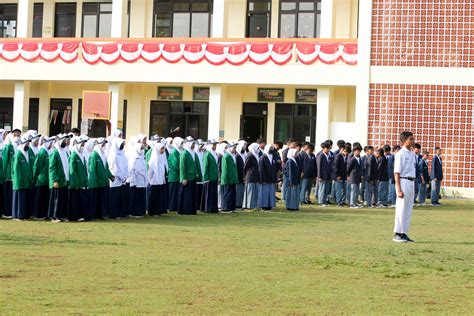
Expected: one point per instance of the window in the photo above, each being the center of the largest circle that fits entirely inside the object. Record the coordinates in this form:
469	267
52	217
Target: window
300	18
60	116
6	113
182	18
8	14
296	121
38	20
33	114
258	18
96	19
178	118
65	20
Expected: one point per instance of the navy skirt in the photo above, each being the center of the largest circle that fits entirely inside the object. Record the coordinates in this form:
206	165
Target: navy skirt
118	203
228	197
58	203
158	200
20	204
40	209
7	198
137	201
77	202
198	199
99	202
209	197
187	199
173	195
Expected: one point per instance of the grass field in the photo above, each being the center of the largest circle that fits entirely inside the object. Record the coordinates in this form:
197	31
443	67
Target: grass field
319	260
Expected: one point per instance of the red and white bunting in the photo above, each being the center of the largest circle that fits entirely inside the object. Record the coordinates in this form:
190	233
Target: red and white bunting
235	54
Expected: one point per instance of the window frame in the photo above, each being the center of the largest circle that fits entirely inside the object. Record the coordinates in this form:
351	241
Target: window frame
296	12
72	13
269	15
97	13
3	19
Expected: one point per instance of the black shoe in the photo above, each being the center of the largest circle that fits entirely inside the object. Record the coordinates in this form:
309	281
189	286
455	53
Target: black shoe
399	238
408	239
437	203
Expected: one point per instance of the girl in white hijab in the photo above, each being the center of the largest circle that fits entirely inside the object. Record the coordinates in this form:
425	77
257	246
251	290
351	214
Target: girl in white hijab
210	174
293	189
137	177
41	178
118	164
220	151
88	149
21	176
240	161
157	168
3	136
77	199
267	168
174	184
251	177
59	174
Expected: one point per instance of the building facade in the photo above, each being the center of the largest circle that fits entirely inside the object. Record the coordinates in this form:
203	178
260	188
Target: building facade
358	70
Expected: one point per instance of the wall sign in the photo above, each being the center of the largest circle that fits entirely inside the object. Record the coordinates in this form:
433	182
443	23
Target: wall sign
170	93
306	95
201	93
271	95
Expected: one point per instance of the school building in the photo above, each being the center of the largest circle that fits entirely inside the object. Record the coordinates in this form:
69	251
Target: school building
358	70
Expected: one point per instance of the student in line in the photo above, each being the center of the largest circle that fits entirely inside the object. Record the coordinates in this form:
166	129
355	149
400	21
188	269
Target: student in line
436	176
210	175
118	164
324	168
240	157
174	184
198	153
157	169
8	153
251	177
41	178
21	180
425	176
307	165
58	178
371	178
77	198
354	176
391	197
382	170
340	174
268	170
292	172
187	177
229	179
137	177
3	136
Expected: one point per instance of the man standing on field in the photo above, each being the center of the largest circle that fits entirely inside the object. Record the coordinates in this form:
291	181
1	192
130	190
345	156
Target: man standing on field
404	175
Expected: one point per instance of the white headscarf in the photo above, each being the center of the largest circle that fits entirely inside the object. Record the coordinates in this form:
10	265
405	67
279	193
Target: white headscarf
2	134
254	149
46	144
21	148
213	152
220	150
137	174
291	155
98	149
187	147
89	148
118	162
169	144
267	152
10	140
136	152
177	143
157	166
229	150
76	147
241	145
63	155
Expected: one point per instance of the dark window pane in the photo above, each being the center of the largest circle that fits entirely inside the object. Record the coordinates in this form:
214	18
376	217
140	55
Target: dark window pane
163	19
176	125
200	7
188	107
38	20
176	107
200	107
302	110
159	124
183	7
163	32
284	109
90	8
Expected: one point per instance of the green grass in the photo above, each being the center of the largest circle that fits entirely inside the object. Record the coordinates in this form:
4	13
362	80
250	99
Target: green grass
316	261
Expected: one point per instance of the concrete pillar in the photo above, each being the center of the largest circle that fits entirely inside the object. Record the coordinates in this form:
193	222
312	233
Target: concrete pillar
218	17
327	16
44	105
119	18
24	27
79	18
117	92
134	110
21	105
215	107
137	21
48	19
322	115
271	123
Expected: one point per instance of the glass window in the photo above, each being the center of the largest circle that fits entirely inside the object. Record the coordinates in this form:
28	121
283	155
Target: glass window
89	25
65	20
300	18
105	25
96	19
8	13
296	121
38	20
182	18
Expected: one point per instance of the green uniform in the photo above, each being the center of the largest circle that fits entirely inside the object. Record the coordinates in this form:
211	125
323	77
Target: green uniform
31	158
56	171
21	172
77	172
41	168
198	168
187	167
229	170
209	166
7	159
173	166
148	154
99	174
2	174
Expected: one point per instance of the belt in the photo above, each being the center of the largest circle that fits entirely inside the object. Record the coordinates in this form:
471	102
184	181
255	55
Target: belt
408	178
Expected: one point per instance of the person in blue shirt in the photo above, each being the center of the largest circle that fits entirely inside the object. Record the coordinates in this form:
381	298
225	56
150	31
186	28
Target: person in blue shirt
436	176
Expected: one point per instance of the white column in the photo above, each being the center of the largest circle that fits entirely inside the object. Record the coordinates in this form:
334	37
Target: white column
48	19
116	101
363	69
218	16
79	18
271	123
322	115
119	17
215	104
24	26
327	14
43	114
21	105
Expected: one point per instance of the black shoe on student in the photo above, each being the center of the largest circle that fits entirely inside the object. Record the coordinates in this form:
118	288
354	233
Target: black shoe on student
398	238
408	239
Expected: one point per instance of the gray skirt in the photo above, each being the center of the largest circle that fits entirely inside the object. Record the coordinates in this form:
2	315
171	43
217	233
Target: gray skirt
239	195
250	196
266	195
292	197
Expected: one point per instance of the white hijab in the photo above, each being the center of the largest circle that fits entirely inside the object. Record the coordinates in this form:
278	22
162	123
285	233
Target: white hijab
10	140
177	143
254	149
241	145
117	160
213	152
187	147
267	152
46	144
2	134
98	149
291	155
229	150
77	148
89	148
169	144
63	155
135	153
220	150
157	166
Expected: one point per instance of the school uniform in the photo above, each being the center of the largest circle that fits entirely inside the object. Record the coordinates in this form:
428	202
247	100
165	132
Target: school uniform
251	180
119	190
392	195
157	167
210	177
77	198
339	169
383	178
2	182
58	172
425	175
240	186
293	190
174	184
284	158
137	177
354	173
229	179
99	175
405	166
40	182
371	181
199	185
7	160
436	177
187	193
268	169
308	168
364	179
324	170
21	184
418	158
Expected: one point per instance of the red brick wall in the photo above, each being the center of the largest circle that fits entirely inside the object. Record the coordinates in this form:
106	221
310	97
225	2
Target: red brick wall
437	115
429	33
